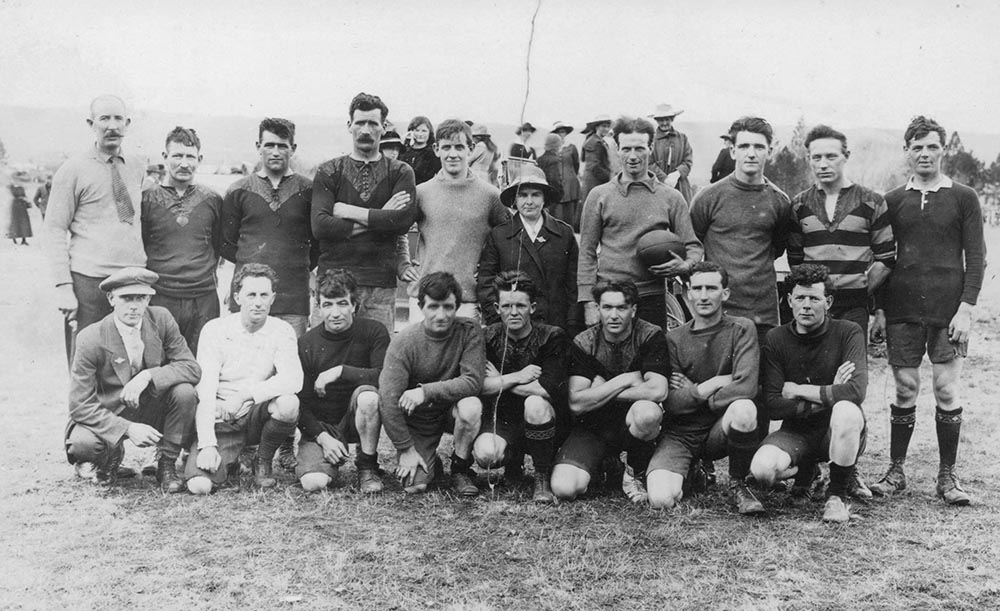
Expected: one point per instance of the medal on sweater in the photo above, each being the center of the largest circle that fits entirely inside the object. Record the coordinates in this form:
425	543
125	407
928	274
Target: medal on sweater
182	220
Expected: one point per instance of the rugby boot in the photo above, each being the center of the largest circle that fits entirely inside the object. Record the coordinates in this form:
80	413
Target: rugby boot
286	455
150	467
708	466
746	503
108	473
614	471
892	482
696	481
462	484
949	489
835	510
857	489
368	481
633	487
262	474
806	481
166	476
543	491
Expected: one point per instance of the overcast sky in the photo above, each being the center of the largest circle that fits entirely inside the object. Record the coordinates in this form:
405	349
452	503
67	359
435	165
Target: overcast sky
851	63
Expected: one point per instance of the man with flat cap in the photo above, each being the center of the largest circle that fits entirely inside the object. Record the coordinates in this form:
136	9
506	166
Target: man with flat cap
670	160
133	378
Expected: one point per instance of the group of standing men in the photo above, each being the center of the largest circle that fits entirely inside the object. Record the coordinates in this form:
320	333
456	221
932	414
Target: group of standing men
573	367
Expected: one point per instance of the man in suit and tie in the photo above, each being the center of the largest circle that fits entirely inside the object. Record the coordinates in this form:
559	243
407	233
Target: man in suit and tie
133	378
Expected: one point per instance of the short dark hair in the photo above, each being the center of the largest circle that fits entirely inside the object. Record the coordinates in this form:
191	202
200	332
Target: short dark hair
337	283
755	125
365	102
708	267
809	274
255	270
419	120
825	131
182	135
282	128
512	280
625	287
628	125
920	126
451	127
438	286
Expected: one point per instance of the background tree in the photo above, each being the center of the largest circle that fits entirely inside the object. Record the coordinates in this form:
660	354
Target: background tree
788	167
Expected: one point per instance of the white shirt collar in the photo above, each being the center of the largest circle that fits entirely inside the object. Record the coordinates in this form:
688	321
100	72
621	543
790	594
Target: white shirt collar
124	329
533	229
943	182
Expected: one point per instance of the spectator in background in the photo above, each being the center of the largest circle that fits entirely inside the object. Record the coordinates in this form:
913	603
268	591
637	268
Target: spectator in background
42	196
671	157
551	165
420	154
596	156
521	150
568	208
485	161
724	163
20	222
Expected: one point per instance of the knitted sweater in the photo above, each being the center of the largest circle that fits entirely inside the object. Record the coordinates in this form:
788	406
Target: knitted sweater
744	228
454	217
448	368
615	215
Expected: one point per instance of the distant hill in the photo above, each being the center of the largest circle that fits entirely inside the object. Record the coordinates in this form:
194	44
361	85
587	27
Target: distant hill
46	136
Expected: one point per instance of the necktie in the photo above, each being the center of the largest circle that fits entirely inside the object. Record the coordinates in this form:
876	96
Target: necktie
134	348
123	202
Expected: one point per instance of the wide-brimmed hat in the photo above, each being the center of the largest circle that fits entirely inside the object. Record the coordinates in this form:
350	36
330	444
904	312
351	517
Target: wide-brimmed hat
559	125
527	175
130	281
664	111
525	127
480	129
599	119
390	138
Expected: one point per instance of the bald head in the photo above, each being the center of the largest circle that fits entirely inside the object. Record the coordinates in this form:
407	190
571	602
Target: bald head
109	121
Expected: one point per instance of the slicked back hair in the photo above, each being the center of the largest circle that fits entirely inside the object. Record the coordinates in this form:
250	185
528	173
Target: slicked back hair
183	135
628	125
255	270
625	287
365	102
825	131
809	274
282	128
920	126
515	281
337	283
438	286
708	267
754	125
450	127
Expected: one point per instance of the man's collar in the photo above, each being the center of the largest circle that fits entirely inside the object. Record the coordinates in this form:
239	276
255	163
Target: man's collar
943	182
106	157
288	172
820	188
124	329
649	182
359	160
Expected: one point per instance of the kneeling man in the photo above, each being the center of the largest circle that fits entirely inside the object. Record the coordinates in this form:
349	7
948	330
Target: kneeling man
430	385
710	412
815	379
618	378
250	374
132	378
525	385
341	361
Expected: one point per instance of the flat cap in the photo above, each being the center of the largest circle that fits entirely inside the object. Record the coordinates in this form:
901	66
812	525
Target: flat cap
130	281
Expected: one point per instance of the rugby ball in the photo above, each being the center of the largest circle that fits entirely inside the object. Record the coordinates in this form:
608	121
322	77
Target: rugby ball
658	246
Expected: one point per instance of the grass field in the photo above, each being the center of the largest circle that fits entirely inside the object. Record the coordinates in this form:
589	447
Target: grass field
68	544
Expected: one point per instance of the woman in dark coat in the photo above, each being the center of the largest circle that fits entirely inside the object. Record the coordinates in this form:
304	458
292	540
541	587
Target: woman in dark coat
20	223
419	153
549	260
568	209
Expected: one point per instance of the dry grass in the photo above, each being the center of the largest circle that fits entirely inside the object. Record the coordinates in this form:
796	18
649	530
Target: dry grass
69	544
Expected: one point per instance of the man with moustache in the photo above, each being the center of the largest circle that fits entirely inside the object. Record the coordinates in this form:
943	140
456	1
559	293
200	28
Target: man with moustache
182	232
92	228
361	203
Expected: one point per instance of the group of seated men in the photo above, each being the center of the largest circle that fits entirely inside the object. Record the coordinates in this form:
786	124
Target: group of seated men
513	388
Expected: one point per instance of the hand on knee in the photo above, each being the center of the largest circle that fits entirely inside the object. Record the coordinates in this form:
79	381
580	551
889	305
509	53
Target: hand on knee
199	485
313	482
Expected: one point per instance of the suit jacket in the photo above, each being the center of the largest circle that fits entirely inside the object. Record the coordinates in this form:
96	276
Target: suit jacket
101	369
672	151
551	265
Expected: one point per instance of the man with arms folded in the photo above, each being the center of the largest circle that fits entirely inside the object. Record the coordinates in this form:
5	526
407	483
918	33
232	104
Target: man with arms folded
928	302
710	412
618	378
250	374
525	386
430	385
815	379
132	378
341	362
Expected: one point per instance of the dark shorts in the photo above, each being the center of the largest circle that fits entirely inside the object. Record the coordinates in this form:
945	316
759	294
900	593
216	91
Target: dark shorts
191	313
908	341
586	446
310	457
677	449
856	314
427	424
807	447
231	438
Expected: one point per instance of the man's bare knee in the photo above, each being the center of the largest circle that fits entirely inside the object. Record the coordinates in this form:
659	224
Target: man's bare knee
846	420
469	411
537	410
767	464
489	450
644	419
742	415
284	408
568	482
313	482
907	385
199	485
367	405
665	488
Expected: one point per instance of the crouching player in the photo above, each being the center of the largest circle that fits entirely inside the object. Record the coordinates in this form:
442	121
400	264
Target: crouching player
710	412
618	377
250	374
525	386
815	379
341	361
